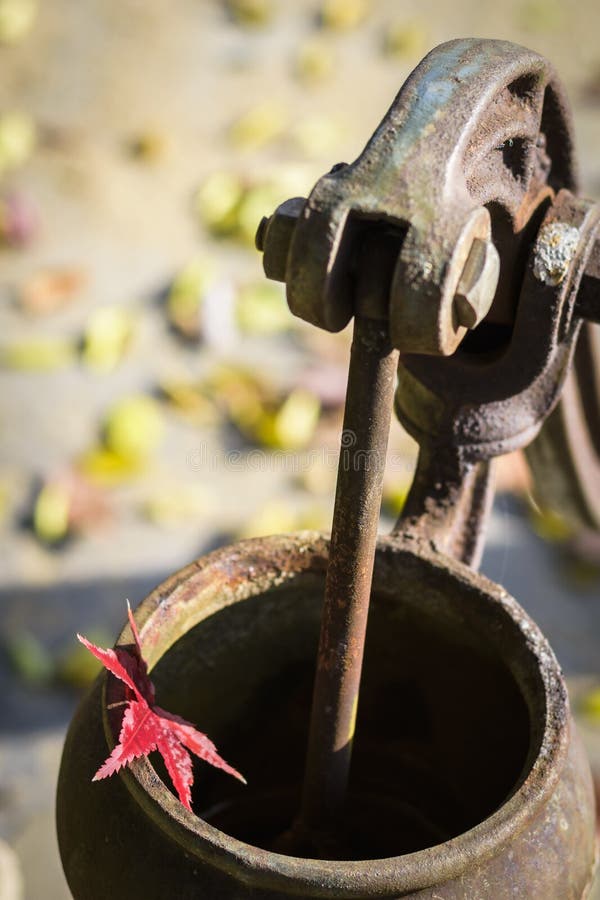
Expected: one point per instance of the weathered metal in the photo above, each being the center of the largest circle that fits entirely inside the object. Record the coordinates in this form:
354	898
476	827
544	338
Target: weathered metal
477	786
494	395
468	777
565	458
362	460
478	137
477	286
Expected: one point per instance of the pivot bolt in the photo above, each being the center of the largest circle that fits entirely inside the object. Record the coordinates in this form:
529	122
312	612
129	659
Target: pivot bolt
477	285
274	237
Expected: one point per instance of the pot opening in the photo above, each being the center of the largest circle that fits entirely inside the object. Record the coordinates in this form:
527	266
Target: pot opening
443	729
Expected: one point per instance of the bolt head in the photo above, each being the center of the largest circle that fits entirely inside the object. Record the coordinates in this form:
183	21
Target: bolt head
477	285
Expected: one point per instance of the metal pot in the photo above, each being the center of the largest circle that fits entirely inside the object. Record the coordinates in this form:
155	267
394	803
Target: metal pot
468	777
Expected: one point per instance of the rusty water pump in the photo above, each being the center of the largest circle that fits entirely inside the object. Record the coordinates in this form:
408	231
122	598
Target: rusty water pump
457	239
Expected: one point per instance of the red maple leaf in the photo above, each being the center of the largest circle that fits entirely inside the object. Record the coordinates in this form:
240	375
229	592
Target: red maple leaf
147	727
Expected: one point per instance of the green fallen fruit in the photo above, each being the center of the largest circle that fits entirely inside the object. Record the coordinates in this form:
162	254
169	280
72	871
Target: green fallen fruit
542	16
394	496
257	201
78	668
549	524
240	393
258	126
29	658
41	354
134	427
343	15
315	62
105	468
589	705
217	201
317	135
176	504
404	40
17	140
51	513
293	424
192	401
251	12
106	338
261	308
274	517
17	18
185	297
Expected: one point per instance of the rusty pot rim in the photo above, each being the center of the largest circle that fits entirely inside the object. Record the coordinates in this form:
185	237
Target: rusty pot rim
271	562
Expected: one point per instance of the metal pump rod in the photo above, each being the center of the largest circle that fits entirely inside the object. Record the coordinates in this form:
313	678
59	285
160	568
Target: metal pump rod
369	395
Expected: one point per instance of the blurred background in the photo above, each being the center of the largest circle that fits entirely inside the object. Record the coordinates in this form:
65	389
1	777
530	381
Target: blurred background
156	397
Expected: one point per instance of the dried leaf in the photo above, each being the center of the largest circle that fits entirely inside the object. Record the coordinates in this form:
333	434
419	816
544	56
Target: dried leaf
148	146
241	393
192	401
51	289
19	220
146	727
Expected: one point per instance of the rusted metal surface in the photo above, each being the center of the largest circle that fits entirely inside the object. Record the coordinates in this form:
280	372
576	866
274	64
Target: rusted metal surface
371	382
476	148
565	458
369	395
495	394
478	124
448	504
513	799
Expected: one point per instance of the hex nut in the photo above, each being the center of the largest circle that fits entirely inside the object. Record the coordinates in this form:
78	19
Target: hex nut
274	237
